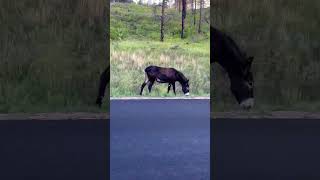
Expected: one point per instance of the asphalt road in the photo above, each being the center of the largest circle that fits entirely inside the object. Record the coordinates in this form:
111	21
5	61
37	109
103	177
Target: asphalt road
265	149
54	149
160	140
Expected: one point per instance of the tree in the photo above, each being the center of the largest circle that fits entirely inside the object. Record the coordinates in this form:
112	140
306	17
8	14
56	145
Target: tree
162	20
200	18
183	17
194	12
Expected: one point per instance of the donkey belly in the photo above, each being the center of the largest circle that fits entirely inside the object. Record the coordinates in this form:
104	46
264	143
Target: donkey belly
162	78
160	81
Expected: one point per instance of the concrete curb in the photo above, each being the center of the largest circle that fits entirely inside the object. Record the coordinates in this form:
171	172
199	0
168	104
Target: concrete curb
55	116
159	98
267	115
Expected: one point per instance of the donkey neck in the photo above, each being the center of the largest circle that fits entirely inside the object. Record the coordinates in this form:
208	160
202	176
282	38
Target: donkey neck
234	69
181	82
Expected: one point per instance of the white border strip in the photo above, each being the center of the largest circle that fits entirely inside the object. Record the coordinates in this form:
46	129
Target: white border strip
159	98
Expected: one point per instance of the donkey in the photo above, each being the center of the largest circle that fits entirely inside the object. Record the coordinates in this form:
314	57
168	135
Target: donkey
238	66
104	80
165	75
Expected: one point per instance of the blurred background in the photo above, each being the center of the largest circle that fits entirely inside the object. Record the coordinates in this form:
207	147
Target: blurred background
52	54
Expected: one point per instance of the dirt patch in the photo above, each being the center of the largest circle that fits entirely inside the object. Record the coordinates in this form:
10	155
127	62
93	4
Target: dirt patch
54	116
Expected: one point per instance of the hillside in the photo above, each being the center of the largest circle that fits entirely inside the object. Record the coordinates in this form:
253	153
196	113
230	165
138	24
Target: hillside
132	21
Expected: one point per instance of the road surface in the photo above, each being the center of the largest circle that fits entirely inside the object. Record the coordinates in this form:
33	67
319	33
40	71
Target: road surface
160	139
54	149
172	148
265	149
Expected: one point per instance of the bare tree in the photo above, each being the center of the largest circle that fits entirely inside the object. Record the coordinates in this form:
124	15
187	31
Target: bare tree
183	17
176	4
155	16
200	18
194	12
162	20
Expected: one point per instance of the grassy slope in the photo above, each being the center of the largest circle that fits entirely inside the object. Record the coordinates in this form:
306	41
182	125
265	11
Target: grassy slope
284	37
135	45
51	55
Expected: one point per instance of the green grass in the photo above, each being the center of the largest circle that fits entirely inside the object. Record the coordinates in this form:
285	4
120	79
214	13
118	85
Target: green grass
135	44
51	55
130	58
283	36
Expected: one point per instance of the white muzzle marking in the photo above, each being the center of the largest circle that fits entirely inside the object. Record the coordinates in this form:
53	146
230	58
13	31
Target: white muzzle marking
187	94
248	103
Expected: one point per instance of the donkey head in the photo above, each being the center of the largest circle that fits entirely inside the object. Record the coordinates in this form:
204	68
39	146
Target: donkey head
185	87
242	85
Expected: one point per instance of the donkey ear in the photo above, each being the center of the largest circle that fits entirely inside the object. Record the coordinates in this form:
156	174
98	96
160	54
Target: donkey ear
187	80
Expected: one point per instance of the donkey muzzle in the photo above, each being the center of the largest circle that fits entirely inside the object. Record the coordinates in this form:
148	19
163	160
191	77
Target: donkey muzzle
247	103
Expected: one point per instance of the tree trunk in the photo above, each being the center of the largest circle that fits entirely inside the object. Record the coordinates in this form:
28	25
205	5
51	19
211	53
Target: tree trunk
176	4
200	18
192	7
162	20
194	12
183	17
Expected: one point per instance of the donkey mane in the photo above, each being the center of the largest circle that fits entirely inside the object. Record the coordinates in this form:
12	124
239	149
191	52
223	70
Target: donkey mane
183	78
232	47
235	48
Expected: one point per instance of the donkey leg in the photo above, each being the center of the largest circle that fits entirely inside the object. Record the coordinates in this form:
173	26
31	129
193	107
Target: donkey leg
169	86
142	86
150	85
146	80
174	88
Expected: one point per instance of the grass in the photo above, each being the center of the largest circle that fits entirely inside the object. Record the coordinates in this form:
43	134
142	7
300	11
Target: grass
51	55
130	58
135	45
283	37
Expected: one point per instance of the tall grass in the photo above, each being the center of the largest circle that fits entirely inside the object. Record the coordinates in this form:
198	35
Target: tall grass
130	58
51	54
284	38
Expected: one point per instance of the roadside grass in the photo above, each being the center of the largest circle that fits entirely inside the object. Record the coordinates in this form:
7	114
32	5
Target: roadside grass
51	55
129	58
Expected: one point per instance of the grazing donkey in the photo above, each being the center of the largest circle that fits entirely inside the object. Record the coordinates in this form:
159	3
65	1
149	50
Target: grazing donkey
165	75
238	66
223	51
